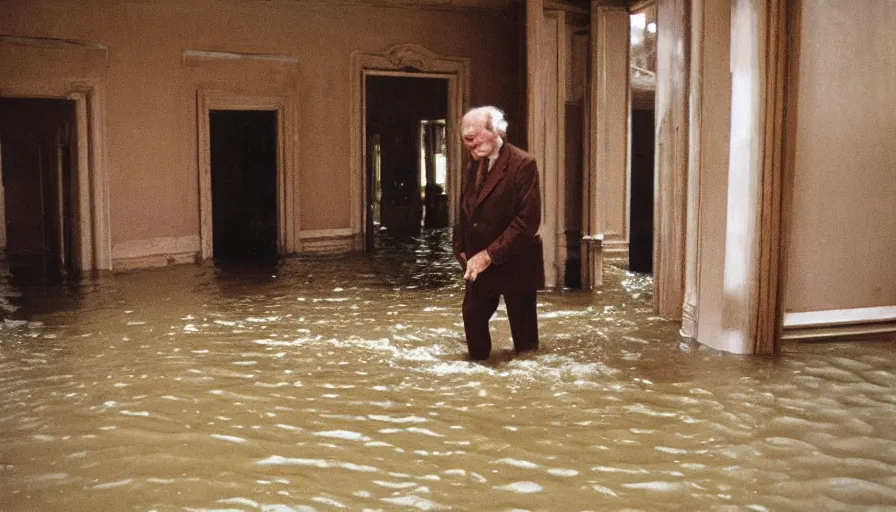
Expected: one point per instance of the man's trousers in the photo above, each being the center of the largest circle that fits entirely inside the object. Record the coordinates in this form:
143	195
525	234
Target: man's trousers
478	308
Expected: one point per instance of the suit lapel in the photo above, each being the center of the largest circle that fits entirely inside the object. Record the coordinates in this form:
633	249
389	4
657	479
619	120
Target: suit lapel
494	176
470	196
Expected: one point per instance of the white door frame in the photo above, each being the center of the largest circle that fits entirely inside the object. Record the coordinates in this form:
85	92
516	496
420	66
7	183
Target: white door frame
411	61
91	233
287	221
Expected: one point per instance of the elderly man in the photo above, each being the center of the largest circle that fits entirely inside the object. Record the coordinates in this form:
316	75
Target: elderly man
495	240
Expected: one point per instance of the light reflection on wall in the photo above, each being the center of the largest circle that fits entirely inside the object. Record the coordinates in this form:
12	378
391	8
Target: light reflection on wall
643	47
642	55
440	153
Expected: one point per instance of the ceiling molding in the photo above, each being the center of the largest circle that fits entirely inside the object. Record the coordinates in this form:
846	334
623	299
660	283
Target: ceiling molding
565	5
454	5
496	6
640	5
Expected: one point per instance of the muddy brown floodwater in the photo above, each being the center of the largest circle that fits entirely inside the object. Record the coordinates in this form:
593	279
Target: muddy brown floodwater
342	384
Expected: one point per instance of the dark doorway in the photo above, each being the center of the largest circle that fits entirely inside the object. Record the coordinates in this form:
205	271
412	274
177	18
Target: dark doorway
643	94
641	234
244	185
575	119
37	141
406	156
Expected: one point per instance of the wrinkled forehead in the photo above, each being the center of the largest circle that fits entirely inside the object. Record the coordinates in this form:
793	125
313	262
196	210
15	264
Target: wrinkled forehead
472	128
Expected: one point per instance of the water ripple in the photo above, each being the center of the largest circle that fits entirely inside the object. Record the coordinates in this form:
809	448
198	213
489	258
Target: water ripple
342	383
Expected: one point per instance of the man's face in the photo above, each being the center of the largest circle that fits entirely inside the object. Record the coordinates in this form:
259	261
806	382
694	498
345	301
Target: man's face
480	142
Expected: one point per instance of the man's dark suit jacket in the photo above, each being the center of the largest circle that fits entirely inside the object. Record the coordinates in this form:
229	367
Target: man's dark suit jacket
503	217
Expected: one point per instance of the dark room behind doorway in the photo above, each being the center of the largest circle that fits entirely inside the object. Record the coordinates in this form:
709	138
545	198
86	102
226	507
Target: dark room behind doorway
38	150
406	155
244	185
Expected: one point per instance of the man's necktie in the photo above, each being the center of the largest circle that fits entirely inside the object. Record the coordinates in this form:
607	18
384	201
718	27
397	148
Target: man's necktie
481	171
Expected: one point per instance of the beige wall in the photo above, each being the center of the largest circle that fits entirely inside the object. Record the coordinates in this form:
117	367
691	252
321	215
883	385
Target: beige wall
614	165
714	147
553	51
606	197
149	94
841	241
671	155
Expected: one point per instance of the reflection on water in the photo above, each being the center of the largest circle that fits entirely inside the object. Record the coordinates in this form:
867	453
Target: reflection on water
341	383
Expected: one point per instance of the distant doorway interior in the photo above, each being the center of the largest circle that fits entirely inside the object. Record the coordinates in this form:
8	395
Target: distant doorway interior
243	150
407	154
38	142
248	153
643	99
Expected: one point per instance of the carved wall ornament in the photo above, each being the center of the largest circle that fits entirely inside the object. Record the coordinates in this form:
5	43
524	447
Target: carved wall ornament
411	56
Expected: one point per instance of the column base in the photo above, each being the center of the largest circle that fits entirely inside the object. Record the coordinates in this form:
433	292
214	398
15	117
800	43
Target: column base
592	261
689	321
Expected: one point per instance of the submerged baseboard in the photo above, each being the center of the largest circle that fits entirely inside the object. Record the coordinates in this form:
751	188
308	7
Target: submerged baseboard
614	244
839	323
163	251
154	252
615	250
329	241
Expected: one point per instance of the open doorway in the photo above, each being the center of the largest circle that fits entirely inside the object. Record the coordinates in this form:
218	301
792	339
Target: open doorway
243	156
643	113
407	156
37	154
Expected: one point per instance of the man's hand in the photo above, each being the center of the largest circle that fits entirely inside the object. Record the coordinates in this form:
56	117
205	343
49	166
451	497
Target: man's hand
476	265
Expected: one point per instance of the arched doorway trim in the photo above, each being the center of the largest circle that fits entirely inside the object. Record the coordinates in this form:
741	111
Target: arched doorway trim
407	60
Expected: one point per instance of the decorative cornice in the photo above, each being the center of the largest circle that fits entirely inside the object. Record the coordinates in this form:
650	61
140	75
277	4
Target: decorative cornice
55	43
193	57
52	42
411	56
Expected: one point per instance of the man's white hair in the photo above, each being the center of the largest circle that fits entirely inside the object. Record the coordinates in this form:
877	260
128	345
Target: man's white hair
494	119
